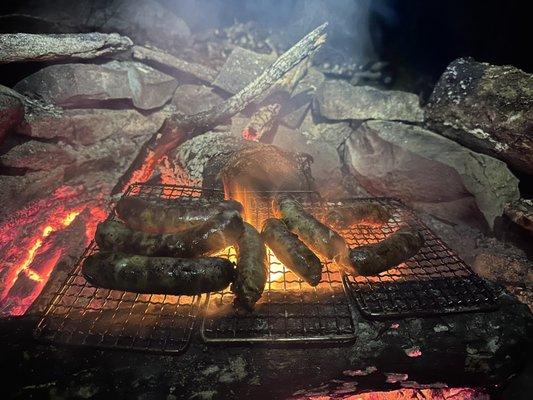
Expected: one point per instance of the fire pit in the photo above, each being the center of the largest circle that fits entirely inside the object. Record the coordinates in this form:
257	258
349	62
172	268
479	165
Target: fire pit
165	105
435	281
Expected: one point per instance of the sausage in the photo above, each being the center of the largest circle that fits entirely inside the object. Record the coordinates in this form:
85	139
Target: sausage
217	233
291	251
157	275
374	258
252	269
371	214
168	216
317	236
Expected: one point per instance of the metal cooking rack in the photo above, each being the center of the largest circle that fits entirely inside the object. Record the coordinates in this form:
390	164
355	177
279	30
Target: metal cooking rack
290	310
434	281
80	314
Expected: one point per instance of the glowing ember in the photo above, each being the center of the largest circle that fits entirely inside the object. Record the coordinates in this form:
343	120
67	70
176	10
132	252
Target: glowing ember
428	394
30	247
250	134
30	255
144	173
413	351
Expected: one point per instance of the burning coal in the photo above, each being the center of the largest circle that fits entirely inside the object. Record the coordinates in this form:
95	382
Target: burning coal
34	241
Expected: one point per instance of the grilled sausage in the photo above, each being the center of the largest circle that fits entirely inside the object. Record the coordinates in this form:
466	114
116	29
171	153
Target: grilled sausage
157	275
317	236
371	214
291	251
374	258
166	216
252	269
219	232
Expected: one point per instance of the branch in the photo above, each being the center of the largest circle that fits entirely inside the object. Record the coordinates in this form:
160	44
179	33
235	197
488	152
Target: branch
179	128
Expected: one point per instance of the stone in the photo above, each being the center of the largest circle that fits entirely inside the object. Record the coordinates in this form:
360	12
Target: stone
502	269
192	99
145	22
420	166
487	108
333	133
15	23
241	68
37	156
11	111
88	126
75	85
24	47
165	60
521	213
18	190
295	110
338	100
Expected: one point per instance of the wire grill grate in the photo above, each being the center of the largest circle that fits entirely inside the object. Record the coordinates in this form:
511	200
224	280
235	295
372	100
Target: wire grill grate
289	310
434	281
80	314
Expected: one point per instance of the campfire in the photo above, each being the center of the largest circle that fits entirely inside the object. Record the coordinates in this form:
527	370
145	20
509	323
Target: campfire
248	212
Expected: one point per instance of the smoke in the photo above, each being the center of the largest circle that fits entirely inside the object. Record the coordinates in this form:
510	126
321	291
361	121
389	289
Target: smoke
289	20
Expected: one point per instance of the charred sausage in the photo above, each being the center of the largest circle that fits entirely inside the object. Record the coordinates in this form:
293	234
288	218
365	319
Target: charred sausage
219	232
157	275
317	236
374	258
166	216
252	269
372	214
291	251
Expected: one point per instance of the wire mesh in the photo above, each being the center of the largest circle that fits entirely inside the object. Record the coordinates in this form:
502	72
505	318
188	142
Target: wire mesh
289	310
434	281
80	314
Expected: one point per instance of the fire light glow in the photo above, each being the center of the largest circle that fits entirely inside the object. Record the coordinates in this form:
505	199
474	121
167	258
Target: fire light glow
30	248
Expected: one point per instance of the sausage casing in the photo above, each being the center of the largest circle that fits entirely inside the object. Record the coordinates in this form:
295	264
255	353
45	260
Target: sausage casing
369	213
291	251
252	269
217	233
374	258
166	216
321	239
157	275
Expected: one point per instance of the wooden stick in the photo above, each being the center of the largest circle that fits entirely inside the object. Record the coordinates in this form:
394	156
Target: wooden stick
178	128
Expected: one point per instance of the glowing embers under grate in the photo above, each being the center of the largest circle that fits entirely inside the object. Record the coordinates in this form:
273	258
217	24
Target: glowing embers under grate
434	281
81	314
289	310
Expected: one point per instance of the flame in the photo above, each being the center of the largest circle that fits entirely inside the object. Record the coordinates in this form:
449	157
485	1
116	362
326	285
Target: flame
276	273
